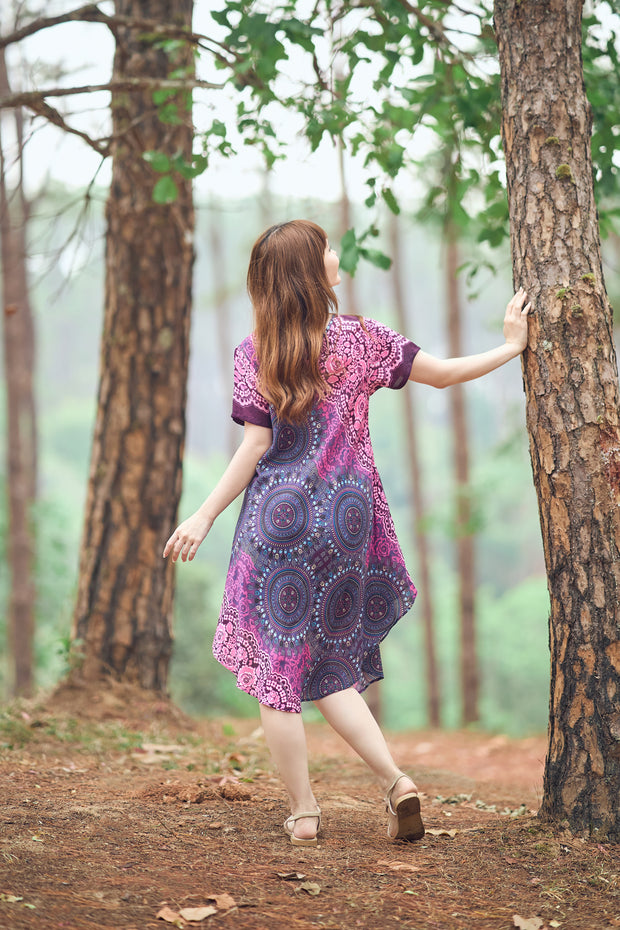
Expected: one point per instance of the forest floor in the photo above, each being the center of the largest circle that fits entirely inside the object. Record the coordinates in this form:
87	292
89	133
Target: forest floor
120	812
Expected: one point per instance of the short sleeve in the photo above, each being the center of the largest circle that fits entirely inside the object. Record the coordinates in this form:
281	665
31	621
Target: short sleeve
249	405
390	356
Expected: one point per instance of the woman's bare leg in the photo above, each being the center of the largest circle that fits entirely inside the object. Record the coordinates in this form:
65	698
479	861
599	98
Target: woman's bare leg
286	740
347	712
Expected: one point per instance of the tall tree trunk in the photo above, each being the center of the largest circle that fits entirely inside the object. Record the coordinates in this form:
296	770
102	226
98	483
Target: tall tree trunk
466	566
417	496
346	223
21	410
571	384
124	601
221	310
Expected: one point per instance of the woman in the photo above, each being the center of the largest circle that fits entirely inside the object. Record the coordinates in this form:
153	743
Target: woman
317	577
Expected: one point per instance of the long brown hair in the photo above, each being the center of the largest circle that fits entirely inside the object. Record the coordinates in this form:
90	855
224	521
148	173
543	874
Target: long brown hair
291	296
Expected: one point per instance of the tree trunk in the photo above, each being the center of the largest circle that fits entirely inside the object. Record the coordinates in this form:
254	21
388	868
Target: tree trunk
222	313
346	223
466	567
124	601
571	384
21	411
416	495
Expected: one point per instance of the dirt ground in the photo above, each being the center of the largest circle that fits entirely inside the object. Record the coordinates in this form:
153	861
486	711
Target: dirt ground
117	809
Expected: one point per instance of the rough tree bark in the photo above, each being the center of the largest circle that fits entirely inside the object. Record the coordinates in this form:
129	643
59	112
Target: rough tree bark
465	551
571	384
124	601
21	410
418	508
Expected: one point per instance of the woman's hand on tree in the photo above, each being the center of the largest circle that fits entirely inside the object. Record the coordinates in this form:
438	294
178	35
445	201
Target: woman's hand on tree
187	537
515	320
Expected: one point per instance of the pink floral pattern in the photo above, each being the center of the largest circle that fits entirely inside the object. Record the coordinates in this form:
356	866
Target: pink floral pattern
317	578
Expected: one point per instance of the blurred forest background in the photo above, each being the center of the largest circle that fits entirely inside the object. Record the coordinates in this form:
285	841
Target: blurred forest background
512	601
66	266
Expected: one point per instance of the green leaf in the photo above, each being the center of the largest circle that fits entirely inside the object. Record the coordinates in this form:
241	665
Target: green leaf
375	257
157	160
391	201
349	252
165	191
164	93
169	113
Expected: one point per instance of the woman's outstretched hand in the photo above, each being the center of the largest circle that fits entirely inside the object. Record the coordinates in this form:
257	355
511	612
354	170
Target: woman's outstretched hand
187	537
515	320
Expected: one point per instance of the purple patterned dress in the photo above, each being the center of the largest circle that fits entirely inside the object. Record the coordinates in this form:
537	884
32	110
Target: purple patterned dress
316	577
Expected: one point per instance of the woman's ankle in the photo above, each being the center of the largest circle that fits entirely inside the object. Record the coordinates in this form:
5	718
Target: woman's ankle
399	784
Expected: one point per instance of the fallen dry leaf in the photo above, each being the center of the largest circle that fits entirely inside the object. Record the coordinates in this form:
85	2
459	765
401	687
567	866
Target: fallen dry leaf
442	832
196	914
290	876
166	913
310	888
216	825
397	866
223	901
527	923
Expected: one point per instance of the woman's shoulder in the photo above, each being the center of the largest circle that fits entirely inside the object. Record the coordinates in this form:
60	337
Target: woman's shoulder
247	347
358	327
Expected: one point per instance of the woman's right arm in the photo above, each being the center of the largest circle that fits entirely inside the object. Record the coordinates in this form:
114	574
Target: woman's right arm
443	372
188	536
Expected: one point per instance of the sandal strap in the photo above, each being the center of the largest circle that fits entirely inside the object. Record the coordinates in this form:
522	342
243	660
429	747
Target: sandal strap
388	794
295	817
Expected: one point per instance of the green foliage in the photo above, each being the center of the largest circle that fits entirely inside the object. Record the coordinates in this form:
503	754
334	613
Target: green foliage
19	727
601	68
515	676
376	78
352	248
158	161
165	190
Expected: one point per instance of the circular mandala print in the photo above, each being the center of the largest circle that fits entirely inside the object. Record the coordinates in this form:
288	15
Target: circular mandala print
290	444
288	600
383	605
285	516
329	676
351	519
341	606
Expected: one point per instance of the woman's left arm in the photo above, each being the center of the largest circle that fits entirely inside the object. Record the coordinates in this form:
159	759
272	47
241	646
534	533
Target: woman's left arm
440	373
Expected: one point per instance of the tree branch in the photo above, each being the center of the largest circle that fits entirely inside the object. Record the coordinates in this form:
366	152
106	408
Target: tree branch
32	98
41	108
90	13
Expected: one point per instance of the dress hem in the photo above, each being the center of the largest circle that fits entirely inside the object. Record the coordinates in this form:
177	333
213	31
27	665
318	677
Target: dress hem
361	685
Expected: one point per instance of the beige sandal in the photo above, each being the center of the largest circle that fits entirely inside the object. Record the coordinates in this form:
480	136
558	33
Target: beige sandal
289	826
410	826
